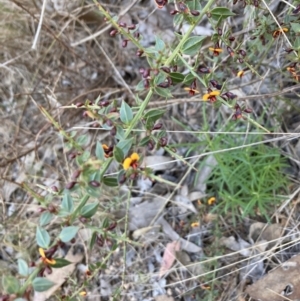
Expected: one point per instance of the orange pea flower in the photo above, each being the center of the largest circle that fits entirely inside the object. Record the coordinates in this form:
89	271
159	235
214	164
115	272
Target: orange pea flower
45	259
131	161
211	96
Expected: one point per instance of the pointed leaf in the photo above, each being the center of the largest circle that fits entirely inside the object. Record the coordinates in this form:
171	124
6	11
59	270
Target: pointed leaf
23	268
221	13
60	262
68	233
163	92
125	146
126	114
10	284
110	181
45	218
118	154
89	210
42	238
67	202
99	151
41	284
159	44
192	45
176	77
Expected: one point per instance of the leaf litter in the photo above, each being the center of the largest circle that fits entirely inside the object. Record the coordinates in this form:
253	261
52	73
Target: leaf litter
65	76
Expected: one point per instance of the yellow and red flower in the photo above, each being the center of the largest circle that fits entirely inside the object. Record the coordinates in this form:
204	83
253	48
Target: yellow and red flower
216	51
211	201
240	73
192	92
280	31
47	261
211	96
131	161
108	150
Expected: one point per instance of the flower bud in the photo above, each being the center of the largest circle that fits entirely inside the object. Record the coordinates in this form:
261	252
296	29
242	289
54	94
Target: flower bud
122	24
165	69
164	85
139	52
76	174
146	73
113	33
163	141
195	12
157	126
94	183
70	185
242	52
173	12
54	188
124	43
248	110
146	84
131	27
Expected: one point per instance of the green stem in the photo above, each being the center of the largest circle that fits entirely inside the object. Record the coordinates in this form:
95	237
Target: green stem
29	281
139	114
78	208
188	33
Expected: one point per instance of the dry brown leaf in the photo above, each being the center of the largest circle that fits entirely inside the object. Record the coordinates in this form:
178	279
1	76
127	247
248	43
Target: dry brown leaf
169	257
261	231
185	244
282	283
59	276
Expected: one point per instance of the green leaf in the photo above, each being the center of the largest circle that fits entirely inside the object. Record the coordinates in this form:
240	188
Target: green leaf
42	238
296	44
178	19
144	141
83	158
188	79
10	284
99	151
41	284
295	27
221	13
140	86
176	77
118	154
154	114
45	218
67	202
126	114
89	210
159	44
194	4
120	135
23	268
192	45
93	191
159	78
110	181
68	233
60	262
93	240
82	140
163	92
125	146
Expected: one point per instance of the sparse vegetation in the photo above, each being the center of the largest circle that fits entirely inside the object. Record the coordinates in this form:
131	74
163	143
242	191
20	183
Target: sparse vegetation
114	146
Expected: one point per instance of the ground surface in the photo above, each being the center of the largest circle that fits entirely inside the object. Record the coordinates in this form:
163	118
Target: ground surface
174	242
